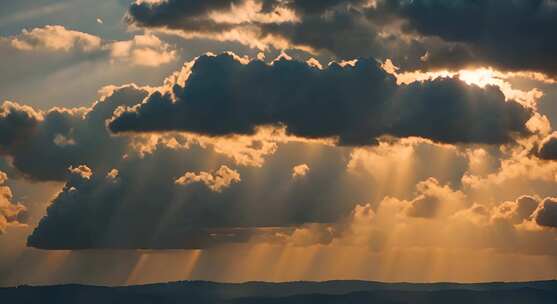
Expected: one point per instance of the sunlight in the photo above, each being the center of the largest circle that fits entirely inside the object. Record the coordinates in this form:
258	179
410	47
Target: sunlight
480	77
203	151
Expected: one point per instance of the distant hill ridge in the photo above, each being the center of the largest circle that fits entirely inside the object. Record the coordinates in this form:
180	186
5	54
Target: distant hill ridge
201	292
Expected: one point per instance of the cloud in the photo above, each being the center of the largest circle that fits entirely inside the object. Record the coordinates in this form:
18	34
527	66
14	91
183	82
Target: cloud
140	206
144	208
424	207
16	123
546	215
355	104
129	180
83	171
222	178
10	213
513	36
517	211
300	170
508	227
141	50
56	38
435	200
548	148
310	234
478	76
396	166
121	191
279	24
243	149
517	170
113	174
43	145
525	206
415	34
220	20
384	227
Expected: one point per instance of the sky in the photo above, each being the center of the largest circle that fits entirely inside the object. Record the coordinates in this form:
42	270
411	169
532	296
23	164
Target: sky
277	140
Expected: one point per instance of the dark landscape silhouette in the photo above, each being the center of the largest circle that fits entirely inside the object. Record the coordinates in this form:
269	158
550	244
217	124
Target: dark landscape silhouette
201	292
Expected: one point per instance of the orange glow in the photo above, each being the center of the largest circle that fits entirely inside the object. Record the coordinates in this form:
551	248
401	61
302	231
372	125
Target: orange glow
481	77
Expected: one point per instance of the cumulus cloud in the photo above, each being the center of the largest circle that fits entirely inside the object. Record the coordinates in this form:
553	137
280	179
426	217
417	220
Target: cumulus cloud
121	190
144	208
515	170
307	235
142	50
434	199
10	213
416	34
132	201
517	211
424	207
300	170
83	171
129	181
229	20
243	150
339	27
548	148
16	123
546	215
355	104
396	166
514	35
219	180
501	227
113	174
145	50
56	38
43	145
258	24
153	184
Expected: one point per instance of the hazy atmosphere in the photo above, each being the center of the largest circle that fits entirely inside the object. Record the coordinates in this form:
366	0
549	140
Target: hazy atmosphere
277	140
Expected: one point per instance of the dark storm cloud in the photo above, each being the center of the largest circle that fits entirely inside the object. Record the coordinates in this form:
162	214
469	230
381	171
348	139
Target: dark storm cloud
525	206
177	14
517	211
548	148
174	13
307	7
16	123
349	34
341	27
355	104
43	145
546	215
515	35
143	207
191	15
188	15
140	205
510	35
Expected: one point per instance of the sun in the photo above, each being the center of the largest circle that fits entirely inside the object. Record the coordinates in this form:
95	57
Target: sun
480	77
